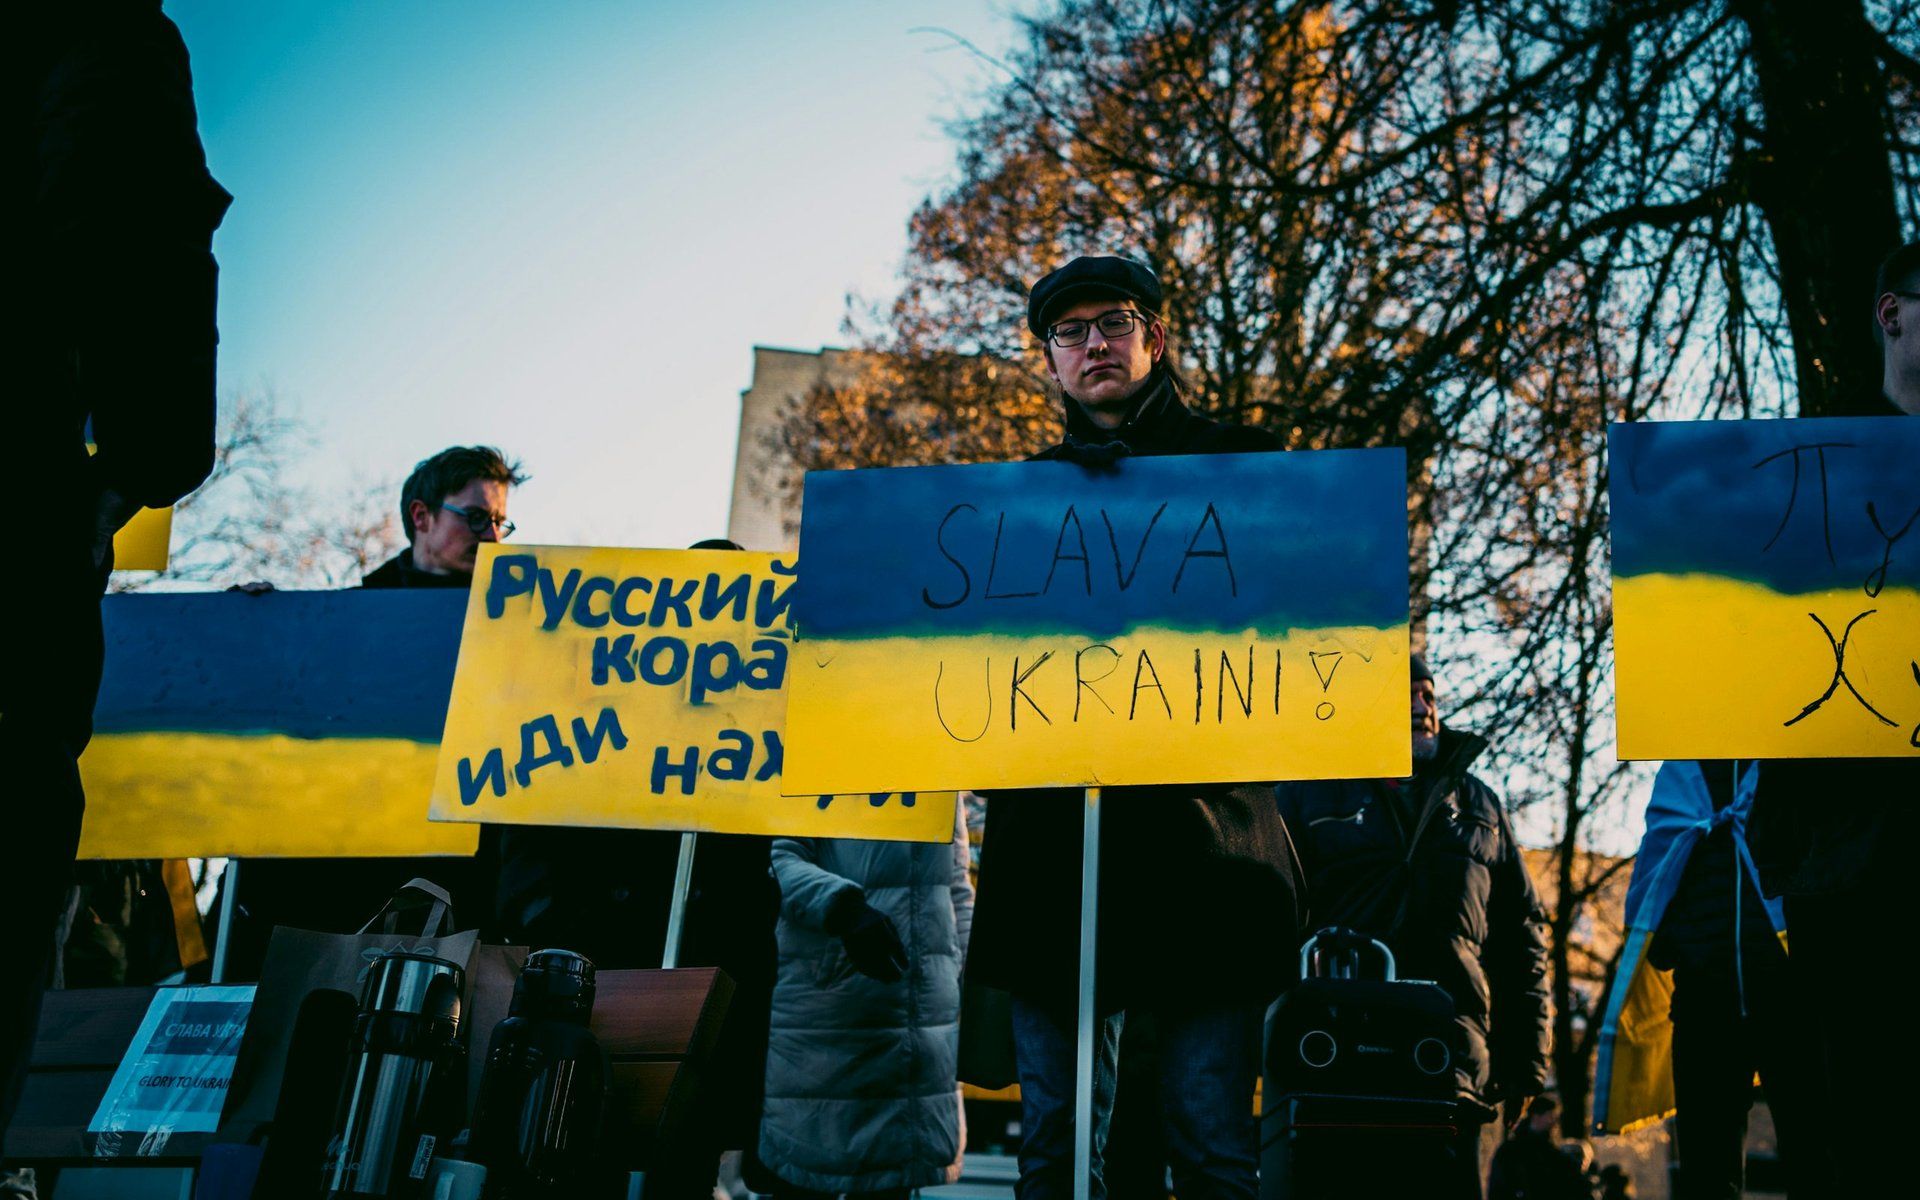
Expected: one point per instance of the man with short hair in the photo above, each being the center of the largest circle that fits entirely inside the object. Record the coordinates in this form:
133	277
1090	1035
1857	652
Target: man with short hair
1204	945
450	504
1836	838
1429	865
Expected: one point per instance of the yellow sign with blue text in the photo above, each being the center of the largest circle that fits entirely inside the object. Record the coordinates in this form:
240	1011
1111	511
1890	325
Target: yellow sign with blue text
1766	588
639	689
1227	618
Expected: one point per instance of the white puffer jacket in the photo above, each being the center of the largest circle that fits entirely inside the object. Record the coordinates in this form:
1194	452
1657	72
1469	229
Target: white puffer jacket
861	1093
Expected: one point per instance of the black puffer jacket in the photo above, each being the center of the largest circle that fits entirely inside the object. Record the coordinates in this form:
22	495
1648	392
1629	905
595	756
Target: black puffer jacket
1196	882
1434	872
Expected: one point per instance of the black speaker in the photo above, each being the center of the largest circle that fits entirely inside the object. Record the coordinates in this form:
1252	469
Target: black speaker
1358	1097
1341	1035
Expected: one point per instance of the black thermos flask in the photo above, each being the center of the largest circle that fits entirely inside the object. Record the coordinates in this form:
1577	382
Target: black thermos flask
401	1102
544	1094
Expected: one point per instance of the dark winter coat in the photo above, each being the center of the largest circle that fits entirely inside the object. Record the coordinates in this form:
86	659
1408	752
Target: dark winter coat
1435	873
1833	826
399	572
110	220
1196	881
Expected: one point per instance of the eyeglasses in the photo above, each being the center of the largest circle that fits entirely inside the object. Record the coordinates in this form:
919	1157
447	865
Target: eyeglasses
479	521
1113	326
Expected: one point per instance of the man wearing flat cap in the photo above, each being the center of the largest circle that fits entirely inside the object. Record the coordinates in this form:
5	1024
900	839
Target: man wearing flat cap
1198	913
1429	866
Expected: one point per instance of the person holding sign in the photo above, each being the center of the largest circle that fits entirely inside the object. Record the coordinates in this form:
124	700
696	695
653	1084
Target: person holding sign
1200	914
1429	866
1836	838
114	284
450	504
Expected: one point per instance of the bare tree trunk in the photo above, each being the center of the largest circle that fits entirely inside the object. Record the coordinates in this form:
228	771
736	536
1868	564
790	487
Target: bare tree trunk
1571	1070
1824	180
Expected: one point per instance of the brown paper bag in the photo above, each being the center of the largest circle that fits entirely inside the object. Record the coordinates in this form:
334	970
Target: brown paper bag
301	960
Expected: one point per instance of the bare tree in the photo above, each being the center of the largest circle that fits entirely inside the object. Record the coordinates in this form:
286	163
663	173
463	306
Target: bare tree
249	522
1478	229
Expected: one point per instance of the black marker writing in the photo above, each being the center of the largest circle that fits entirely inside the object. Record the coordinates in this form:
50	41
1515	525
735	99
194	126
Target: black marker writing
1878	578
1819	450
1839	646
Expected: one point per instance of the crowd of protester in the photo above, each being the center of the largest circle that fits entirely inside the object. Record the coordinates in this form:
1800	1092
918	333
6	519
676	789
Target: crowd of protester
850	955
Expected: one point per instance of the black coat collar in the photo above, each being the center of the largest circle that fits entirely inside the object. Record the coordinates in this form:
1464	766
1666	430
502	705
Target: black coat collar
1158	420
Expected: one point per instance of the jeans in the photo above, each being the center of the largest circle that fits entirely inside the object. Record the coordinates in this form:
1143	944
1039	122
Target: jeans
1209	1059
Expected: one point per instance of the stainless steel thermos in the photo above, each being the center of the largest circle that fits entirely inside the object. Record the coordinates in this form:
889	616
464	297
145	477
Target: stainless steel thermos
403	1096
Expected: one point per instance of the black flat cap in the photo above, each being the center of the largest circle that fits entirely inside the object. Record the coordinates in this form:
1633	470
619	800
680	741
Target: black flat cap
1091	278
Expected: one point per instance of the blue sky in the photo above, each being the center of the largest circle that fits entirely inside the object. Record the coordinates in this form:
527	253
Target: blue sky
561	227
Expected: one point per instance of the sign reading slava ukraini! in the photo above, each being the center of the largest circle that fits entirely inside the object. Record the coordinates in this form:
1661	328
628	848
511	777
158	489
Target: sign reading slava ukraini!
1198	619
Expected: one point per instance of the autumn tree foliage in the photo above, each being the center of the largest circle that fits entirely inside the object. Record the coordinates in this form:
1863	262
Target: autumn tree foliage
1477	229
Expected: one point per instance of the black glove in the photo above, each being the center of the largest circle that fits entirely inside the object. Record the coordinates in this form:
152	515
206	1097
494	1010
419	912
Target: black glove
873	944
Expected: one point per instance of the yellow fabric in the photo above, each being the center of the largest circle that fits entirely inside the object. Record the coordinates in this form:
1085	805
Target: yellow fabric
178	877
198	795
1642	1086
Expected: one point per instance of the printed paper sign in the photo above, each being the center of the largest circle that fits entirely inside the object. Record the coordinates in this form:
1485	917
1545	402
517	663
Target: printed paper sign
174	1076
1766	588
1168	620
639	689
294	723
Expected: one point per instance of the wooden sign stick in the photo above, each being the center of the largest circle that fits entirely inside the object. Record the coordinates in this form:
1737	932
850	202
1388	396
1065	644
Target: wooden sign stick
1088	1036
677	912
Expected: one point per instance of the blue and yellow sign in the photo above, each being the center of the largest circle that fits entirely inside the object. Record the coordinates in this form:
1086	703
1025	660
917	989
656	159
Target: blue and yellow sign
639	689
289	724
1195	619
1766	588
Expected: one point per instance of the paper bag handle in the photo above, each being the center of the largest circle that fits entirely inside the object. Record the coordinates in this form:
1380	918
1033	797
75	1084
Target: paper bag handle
439	906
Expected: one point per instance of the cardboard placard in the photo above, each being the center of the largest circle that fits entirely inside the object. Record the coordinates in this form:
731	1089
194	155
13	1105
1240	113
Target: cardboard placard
1766	588
289	724
639	689
1196	619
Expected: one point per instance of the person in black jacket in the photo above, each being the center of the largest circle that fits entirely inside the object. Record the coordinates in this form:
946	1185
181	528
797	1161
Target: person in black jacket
1429	866
1200	900
111	213
1835	838
450	504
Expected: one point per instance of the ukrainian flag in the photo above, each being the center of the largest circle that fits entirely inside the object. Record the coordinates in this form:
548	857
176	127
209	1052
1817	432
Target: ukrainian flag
288	724
1215	618
1633	1075
1767	588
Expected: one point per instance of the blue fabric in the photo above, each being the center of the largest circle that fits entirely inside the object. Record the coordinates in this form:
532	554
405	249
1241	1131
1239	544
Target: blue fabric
1208	1061
1680	814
